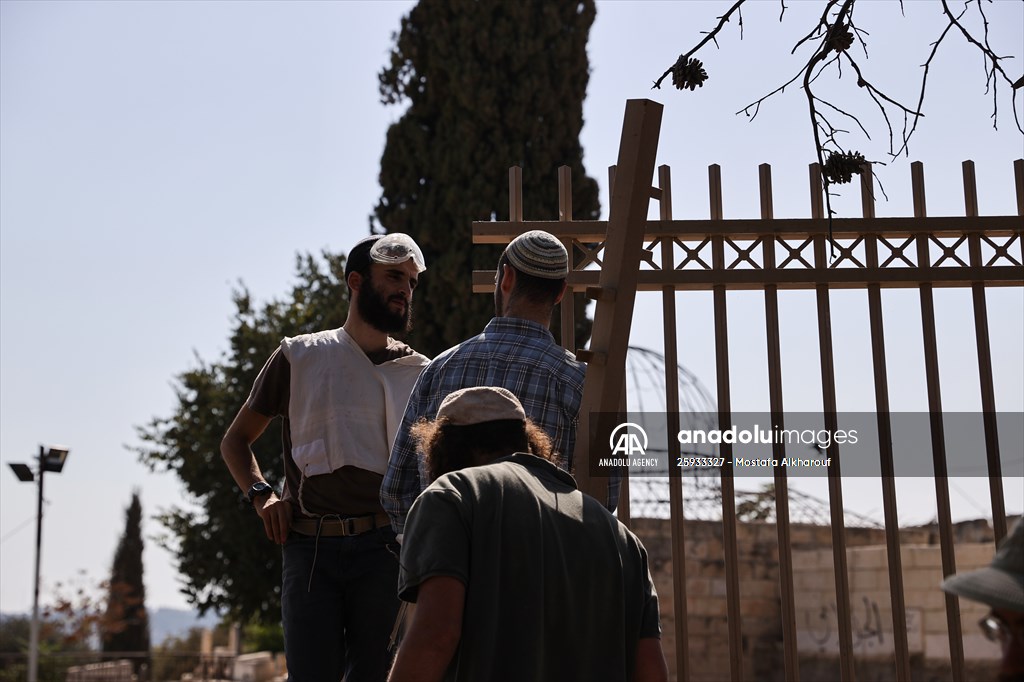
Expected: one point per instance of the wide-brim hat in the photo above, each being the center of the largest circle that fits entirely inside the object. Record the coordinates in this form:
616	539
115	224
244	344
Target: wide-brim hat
1000	584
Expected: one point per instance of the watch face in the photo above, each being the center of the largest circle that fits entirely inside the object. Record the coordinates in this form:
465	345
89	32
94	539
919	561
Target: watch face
259	489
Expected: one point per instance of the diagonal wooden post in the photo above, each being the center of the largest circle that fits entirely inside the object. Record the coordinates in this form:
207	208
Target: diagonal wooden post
616	290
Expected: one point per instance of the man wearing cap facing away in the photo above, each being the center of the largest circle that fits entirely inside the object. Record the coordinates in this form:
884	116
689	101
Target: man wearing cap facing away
1001	587
515	351
516	574
341	394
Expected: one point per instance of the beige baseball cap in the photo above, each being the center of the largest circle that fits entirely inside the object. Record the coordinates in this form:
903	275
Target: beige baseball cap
478	404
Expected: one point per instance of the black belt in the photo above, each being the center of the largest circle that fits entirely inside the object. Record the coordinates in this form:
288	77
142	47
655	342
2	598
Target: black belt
331	527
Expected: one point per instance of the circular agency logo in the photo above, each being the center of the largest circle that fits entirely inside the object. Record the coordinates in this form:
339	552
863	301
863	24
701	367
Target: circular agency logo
628	439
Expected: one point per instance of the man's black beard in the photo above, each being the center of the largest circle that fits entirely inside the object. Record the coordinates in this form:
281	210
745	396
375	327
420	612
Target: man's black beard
376	311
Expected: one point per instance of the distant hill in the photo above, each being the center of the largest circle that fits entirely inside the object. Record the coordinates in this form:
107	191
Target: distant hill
163	622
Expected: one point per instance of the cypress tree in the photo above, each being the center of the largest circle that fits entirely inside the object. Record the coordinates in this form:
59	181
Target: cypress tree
489	85
125	623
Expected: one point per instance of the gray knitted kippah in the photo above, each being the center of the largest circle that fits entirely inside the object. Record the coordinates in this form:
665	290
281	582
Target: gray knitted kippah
540	254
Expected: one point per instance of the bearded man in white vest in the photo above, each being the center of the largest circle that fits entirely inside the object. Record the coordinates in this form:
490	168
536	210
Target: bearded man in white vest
342	395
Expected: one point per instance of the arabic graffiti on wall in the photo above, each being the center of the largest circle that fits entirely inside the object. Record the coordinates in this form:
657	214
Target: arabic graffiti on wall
818	630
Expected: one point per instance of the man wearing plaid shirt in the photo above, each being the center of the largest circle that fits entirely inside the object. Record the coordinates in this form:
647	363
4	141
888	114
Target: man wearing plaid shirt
516	351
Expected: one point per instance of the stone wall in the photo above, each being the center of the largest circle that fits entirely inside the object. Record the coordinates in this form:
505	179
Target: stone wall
707	647
870	602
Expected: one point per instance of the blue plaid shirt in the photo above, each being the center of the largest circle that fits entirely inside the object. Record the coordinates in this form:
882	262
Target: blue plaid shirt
512	353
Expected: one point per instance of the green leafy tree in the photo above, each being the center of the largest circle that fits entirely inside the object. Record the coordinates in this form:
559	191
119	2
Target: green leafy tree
60	646
489	85
14	637
125	627
226	561
263	637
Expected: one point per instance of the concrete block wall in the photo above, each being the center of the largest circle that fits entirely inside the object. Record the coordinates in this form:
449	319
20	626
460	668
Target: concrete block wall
708	649
870	602
706	604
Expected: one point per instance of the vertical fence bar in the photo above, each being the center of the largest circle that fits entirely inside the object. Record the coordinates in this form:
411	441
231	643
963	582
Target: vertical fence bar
771	306
675	482
988	394
515	194
623	511
611	186
931	364
568	305
835	481
1018	183
891	511
724	420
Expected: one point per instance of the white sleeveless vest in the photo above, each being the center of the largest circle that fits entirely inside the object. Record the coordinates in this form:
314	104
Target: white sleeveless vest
336	398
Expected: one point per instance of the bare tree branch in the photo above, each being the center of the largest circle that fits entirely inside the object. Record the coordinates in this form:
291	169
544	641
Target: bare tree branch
924	84
835	31
877	95
986	49
990	57
710	36
816	31
844	113
831	39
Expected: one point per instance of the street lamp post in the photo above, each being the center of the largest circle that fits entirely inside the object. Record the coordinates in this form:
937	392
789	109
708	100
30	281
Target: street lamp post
50	459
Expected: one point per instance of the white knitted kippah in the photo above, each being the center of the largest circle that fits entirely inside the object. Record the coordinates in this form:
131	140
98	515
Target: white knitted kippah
540	254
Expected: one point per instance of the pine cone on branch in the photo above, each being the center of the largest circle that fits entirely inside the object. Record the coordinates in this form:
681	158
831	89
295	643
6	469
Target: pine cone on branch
840	167
840	38
688	73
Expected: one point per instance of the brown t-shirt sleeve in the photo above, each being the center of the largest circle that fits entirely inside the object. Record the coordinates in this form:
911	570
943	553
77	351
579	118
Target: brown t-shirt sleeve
272	388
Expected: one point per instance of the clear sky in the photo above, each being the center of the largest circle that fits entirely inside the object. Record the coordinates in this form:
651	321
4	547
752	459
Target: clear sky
155	154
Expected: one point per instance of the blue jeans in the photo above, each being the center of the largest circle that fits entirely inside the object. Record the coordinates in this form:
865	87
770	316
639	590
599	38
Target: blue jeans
338	611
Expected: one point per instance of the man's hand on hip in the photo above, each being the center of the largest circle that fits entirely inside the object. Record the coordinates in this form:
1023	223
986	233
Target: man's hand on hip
276	515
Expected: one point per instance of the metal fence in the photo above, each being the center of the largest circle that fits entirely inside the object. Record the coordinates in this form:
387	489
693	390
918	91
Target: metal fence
628	253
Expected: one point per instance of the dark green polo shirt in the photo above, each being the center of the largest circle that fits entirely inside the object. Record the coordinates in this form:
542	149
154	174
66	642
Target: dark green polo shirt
556	588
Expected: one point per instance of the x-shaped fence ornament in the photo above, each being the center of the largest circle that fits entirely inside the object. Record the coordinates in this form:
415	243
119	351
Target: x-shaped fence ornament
693	255
897	251
744	255
846	253
795	253
949	252
1002	251
590	255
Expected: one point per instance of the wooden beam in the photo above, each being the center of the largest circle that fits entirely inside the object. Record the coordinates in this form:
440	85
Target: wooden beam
613	317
